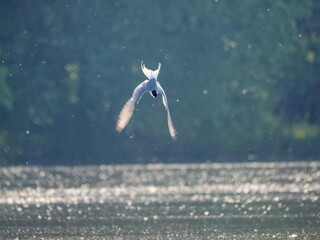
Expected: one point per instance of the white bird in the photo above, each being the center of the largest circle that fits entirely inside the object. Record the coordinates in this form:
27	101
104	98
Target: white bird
154	88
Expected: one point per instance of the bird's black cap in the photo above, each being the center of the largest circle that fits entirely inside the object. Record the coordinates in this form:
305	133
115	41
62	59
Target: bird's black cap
154	93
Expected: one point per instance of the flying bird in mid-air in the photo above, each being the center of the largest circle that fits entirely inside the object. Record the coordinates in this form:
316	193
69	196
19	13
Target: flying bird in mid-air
154	88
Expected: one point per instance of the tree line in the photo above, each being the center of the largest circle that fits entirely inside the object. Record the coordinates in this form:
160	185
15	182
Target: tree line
242	80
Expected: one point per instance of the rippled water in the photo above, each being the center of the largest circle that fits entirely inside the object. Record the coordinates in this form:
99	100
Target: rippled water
176	201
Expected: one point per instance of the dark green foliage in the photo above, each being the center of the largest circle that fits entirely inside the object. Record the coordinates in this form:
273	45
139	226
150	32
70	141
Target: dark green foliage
242	80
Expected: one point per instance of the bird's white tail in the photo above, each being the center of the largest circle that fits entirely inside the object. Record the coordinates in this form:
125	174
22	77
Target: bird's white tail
150	73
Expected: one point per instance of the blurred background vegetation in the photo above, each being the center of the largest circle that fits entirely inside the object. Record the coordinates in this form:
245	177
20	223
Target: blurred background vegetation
242	80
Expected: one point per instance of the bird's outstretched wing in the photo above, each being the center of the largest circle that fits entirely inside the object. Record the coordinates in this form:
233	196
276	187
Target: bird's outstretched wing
172	131
150	73
130	106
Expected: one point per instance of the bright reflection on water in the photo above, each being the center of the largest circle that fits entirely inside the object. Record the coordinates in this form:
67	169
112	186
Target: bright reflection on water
178	201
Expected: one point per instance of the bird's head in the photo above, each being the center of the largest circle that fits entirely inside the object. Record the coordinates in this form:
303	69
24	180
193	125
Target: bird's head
154	94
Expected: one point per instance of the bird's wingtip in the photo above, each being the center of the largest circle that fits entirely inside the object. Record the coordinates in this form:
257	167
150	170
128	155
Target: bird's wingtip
173	134
174	137
118	128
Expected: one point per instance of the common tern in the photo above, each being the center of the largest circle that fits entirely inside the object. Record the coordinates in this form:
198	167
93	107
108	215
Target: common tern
154	88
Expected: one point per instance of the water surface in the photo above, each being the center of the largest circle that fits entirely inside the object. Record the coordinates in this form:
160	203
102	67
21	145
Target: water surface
175	201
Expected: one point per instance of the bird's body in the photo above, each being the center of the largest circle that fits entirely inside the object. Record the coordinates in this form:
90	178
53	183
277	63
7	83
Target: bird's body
154	87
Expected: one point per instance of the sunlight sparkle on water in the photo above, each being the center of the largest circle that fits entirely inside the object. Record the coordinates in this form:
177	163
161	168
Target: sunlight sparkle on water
158	192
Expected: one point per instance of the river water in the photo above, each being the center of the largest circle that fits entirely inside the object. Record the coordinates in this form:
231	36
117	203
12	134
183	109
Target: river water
162	201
